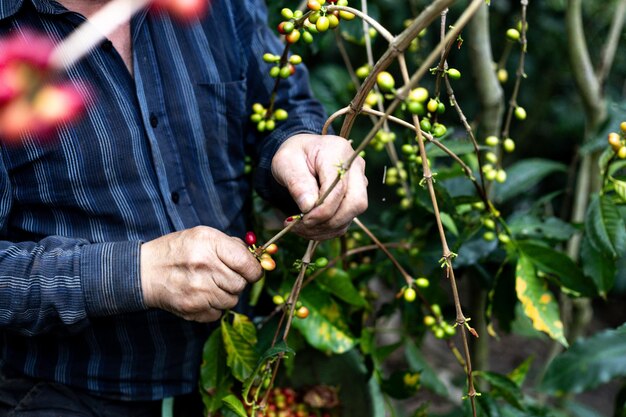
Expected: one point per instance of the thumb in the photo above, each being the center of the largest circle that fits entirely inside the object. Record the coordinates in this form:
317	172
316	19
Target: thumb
294	173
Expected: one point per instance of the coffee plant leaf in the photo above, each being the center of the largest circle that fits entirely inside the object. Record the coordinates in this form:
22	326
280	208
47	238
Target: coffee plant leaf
530	226
598	266
524	175
325	327
605	226
244	326
417	362
337	281
537	301
503	387
620	189
588	364
235	405
241	356
518	375
561	266
215	379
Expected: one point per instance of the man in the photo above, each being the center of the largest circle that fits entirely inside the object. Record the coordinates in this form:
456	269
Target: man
120	238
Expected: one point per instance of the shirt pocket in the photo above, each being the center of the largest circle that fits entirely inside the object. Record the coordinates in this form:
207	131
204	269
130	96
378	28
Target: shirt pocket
223	111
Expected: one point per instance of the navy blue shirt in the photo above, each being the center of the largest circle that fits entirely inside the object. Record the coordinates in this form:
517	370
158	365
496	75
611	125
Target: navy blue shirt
159	151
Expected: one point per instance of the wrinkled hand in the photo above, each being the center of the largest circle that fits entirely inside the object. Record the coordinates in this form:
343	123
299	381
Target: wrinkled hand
196	273
307	164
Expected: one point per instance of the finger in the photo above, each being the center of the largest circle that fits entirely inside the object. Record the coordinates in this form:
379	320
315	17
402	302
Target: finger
355	201
219	298
206	316
236	256
294	171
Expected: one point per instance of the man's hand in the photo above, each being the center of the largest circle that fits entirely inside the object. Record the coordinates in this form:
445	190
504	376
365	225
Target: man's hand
307	165
196	273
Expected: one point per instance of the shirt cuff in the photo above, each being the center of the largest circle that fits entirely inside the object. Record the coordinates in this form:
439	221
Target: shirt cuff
111	278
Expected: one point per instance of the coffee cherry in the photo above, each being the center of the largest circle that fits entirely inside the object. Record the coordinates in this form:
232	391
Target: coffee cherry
295	59
363	71
429	321
432	105
504	238
314	5
622	152
439	130
274	72
615	141
409	295
333	21
286	13
272	249
489	236
454	73
489	224
285	72
293	36
503	75
321	262
492	141
415	107
281	114
307	37
491	157
278	299
250	238
347	16
441	108
422	282
302	312
513	35
501	176
322	24
419	94
508	145
425	125
622	127
520	113
267	263
385	81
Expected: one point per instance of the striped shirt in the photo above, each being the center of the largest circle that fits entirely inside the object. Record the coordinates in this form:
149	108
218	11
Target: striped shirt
156	153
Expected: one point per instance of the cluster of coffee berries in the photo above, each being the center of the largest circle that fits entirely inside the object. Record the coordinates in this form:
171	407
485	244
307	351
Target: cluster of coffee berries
437	325
301	311
286	402
279	70
409	293
490	233
264	256
490	169
617	141
30	103
264	120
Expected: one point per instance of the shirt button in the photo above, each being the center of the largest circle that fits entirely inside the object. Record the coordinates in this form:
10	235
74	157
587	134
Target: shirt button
175	197
107	46
154	121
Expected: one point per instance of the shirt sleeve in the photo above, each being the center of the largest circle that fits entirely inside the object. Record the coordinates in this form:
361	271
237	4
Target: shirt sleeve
306	114
61	282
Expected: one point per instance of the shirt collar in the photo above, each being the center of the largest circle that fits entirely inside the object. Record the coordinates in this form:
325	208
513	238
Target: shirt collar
10	7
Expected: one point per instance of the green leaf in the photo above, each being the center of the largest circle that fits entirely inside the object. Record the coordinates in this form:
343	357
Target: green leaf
529	226
240	354
537	301
518	375
560	265
429	377
620	189
325	328
448	223
598	266
215	379
605	227
337	282
588	363
234	404
245	327
524	175
503	387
